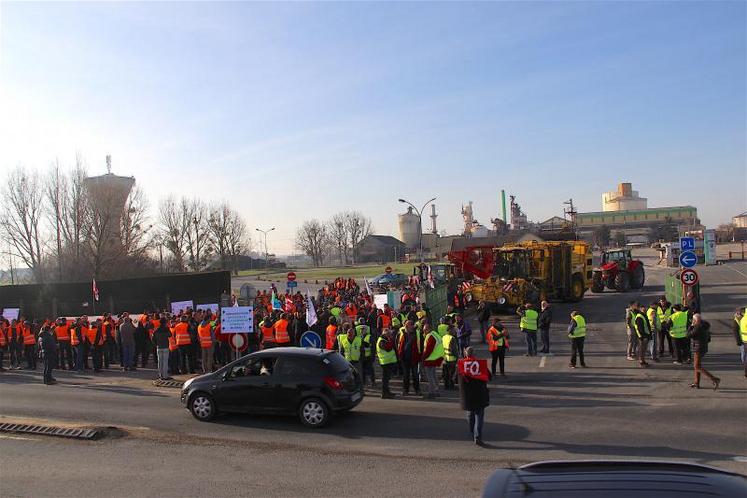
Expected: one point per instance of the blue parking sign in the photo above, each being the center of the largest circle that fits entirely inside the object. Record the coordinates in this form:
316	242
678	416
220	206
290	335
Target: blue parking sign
687	243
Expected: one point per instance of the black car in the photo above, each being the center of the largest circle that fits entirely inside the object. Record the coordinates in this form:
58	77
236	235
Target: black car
614	479
310	383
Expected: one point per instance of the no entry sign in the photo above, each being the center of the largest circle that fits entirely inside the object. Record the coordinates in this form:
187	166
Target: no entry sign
291	276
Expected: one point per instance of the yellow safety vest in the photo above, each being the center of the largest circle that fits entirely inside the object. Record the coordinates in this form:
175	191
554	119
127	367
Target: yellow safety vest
447	340
679	325
653	318
438	348
385	357
641	333
580	330
743	328
351	350
529	320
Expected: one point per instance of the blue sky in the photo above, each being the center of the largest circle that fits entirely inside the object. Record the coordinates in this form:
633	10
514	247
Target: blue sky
299	110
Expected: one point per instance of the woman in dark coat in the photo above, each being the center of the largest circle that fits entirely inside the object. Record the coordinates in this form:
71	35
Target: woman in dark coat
699	333
474	397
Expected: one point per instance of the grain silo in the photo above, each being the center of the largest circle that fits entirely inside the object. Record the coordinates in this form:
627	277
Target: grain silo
409	229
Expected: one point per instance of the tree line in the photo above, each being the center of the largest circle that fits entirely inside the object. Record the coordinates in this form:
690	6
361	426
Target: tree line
336	239
59	227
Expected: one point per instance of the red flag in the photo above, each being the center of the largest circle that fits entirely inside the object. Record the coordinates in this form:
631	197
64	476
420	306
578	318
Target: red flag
289	306
473	368
95	290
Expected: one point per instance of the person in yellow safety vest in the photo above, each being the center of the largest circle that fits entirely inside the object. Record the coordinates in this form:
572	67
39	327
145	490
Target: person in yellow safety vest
451	355
653	320
433	356
528	318
577	335
740	334
207	343
678	332
497	339
664	312
642	331
350	347
364	332
387	356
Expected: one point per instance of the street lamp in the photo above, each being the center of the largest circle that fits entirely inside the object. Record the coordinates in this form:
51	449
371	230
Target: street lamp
420	221
265	232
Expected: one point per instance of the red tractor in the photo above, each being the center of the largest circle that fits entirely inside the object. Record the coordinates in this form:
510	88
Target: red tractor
618	271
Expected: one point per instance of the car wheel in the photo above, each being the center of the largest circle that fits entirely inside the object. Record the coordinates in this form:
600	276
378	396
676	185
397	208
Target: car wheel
577	288
202	407
313	412
597	284
622	281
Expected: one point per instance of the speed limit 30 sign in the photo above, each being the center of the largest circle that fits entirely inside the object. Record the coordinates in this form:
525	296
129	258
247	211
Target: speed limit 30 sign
689	277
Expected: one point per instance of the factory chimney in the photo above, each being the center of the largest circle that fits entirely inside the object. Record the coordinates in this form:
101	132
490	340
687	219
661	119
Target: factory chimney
434	231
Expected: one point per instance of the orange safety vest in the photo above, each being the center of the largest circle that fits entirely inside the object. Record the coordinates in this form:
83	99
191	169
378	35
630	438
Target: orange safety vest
493	340
28	336
281	331
3	340
331	336
172	339
73	337
91	335
203	331
181	330
386	321
62	332
268	333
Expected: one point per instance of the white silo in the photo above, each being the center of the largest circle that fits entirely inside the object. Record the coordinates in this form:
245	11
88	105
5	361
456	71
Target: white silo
409	229
108	194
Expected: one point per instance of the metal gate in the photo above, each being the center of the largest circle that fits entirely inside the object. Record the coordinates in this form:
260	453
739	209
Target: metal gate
437	300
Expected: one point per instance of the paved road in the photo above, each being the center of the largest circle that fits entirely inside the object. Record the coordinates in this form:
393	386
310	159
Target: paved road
542	410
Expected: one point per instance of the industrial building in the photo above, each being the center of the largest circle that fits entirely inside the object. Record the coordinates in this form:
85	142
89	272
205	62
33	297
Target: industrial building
624	211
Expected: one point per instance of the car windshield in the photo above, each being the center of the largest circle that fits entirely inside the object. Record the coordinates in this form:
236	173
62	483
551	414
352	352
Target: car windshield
614	256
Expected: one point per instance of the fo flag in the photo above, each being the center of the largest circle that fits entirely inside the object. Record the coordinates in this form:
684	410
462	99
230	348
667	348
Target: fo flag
276	304
95	290
311	317
473	368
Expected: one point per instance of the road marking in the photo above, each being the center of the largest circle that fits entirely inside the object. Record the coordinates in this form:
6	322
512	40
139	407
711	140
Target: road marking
542	361
737	271
740	459
18	438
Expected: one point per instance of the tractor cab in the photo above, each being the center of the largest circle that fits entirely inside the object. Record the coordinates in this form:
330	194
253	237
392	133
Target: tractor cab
510	264
621	257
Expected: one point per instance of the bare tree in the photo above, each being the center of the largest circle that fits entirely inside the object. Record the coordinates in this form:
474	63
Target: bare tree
20	218
174	225
134	227
358	227
198	232
74	207
55	190
219	221
312	238
237	239
338	234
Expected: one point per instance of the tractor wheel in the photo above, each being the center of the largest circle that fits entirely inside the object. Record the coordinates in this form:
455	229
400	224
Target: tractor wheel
622	281
638	278
577	289
597	284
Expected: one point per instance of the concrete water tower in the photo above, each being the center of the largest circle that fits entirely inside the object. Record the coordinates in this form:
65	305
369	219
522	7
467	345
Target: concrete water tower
108	194
409	229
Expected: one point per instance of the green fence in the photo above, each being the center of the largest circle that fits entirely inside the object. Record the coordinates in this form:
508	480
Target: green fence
436	300
677	293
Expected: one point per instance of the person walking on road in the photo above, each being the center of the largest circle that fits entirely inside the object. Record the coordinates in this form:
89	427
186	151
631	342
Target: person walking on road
387	357
48	351
161	337
528	324
463	331
125	338
700	334
543	323
433	356
474	397
642	331
408	350
497	338
577	335
739	327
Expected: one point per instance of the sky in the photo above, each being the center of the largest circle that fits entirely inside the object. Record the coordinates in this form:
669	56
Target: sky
292	111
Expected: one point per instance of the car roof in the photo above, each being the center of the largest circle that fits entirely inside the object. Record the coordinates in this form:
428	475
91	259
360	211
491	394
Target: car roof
614	478
294	351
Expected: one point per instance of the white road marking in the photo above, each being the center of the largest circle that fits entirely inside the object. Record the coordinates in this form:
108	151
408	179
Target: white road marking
17	438
740	459
731	268
542	361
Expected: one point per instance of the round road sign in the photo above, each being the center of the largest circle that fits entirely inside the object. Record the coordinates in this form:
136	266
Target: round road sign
689	277
311	339
238	342
291	276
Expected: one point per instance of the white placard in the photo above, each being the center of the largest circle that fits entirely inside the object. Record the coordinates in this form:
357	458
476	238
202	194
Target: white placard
380	300
11	313
212	307
237	320
178	306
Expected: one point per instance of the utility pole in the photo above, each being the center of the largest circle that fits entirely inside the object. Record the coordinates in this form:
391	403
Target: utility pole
265	232
420	221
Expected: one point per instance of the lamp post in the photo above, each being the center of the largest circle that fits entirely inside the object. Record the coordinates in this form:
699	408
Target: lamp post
420	221
265	232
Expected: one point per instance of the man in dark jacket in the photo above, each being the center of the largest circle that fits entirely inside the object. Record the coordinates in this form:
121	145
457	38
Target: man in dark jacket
474	397
125	336
543	323
642	329
161	341
408	351
48	351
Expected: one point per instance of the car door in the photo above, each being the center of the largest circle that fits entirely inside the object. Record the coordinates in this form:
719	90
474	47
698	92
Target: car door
246	387
294	377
